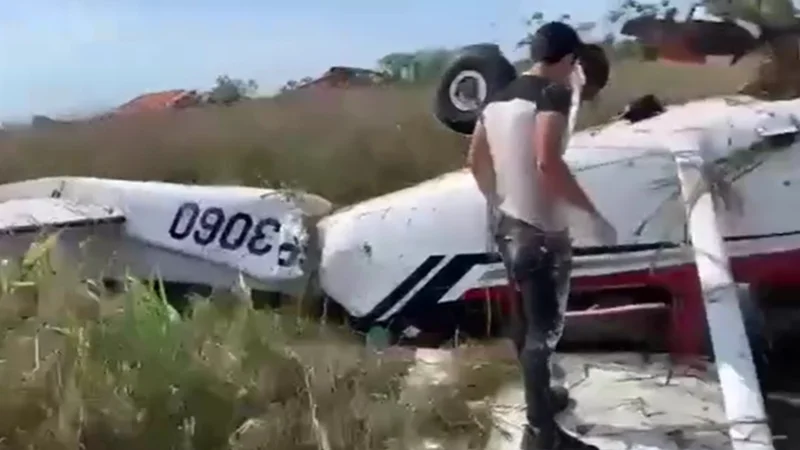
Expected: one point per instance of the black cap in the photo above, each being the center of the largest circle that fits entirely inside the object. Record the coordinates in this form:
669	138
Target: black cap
553	41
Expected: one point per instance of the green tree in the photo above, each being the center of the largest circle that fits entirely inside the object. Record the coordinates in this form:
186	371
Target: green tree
290	86
431	63
397	64
420	66
231	90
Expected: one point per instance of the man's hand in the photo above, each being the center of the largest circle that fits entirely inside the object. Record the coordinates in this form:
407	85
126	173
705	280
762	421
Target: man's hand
548	139
548	135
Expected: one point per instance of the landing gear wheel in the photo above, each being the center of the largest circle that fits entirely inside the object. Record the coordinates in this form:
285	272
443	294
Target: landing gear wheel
473	76
479	71
596	69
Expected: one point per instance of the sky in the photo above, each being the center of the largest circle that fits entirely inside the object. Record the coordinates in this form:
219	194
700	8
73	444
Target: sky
74	57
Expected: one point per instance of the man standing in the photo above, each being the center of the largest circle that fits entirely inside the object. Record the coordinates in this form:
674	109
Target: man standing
516	159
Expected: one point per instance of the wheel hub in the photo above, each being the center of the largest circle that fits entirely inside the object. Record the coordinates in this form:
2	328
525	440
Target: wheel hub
468	91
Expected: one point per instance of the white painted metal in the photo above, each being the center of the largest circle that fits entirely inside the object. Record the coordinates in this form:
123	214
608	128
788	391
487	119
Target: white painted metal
142	244
379	242
742	396
25	214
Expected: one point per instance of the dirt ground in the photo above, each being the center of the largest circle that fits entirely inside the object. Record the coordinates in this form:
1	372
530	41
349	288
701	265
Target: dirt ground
635	401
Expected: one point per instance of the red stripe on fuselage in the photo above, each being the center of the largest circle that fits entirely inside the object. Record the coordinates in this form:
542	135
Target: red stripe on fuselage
687	316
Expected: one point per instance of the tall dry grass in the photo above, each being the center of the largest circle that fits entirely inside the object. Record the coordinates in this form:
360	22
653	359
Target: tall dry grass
344	145
83	368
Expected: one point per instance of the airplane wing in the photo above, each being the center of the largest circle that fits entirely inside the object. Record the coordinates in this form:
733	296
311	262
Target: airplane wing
185	233
113	254
36	214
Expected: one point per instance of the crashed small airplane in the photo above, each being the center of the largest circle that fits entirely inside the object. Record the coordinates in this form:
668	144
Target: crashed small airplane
419	263
419	260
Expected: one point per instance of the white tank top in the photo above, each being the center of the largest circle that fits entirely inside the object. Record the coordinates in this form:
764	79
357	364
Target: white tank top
508	119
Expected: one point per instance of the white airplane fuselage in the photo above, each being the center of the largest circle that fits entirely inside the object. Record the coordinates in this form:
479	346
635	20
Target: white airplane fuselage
396	258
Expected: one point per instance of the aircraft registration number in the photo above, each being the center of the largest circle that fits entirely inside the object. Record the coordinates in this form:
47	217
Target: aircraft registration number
231	232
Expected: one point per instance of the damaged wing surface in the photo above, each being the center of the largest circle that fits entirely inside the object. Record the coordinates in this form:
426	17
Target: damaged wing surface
34	214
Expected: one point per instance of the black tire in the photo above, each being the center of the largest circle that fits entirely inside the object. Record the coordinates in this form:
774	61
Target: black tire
597	70
465	128
486	67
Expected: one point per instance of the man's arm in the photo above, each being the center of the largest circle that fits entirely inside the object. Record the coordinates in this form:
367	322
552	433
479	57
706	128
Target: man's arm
549	130
480	162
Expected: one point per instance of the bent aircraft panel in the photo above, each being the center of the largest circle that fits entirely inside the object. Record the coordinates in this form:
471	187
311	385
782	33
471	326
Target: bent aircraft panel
726	124
259	232
108	253
368	250
31	215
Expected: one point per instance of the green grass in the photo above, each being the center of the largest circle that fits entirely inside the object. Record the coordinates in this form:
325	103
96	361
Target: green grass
84	368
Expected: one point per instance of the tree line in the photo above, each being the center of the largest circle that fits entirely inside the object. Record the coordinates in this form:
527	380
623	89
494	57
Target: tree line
426	65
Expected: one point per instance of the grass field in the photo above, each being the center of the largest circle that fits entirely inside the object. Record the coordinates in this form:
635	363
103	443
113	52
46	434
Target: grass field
343	145
85	368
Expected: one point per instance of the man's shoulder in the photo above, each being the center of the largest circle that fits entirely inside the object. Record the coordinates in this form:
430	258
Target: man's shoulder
528	87
536	93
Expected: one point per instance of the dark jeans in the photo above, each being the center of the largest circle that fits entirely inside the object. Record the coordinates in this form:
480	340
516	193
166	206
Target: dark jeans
539	266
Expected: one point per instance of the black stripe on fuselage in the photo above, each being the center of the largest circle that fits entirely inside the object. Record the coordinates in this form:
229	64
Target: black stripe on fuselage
401	290
432	292
444	280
